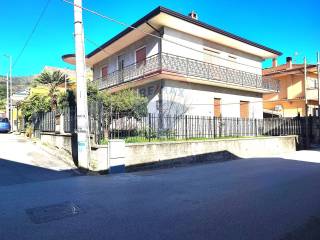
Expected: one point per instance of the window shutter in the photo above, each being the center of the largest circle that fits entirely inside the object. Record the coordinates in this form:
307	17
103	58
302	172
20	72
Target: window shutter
217	107
141	55
104	71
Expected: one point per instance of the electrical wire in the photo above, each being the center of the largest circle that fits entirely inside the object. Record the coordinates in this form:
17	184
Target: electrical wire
32	32
153	35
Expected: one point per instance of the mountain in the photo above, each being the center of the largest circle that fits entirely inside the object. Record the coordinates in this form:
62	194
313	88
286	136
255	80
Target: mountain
18	84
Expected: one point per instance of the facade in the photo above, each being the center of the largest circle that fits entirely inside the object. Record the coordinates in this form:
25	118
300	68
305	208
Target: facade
184	66
295	93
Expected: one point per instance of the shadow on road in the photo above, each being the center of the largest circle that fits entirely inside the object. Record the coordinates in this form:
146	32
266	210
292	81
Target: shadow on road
18	173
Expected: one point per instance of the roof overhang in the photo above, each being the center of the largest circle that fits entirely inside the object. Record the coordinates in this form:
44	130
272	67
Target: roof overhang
160	17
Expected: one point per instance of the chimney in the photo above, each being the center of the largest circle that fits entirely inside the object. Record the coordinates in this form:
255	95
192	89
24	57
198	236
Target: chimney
289	62
274	62
193	15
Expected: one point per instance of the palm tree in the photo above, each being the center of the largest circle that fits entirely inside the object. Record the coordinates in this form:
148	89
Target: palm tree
52	80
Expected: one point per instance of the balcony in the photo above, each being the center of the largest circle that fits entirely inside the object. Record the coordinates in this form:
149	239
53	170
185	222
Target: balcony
165	63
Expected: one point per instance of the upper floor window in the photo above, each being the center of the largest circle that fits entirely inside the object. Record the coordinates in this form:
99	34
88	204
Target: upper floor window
141	55
104	71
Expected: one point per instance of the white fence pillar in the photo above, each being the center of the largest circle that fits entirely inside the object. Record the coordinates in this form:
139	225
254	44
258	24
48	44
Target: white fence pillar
117	156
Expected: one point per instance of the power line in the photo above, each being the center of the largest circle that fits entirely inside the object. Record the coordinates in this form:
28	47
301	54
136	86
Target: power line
32	32
153	35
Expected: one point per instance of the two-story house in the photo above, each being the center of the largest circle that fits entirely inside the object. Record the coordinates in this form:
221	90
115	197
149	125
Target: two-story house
184	66
296	93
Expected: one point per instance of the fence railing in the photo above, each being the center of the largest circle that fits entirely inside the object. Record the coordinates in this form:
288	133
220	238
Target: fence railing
154	127
165	62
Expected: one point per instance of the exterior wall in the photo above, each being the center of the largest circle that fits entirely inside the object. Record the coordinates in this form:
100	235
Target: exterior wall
243	61
152	48
139	154
292	96
195	99
151	91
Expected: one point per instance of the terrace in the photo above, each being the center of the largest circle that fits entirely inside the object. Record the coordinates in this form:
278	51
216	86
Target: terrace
186	69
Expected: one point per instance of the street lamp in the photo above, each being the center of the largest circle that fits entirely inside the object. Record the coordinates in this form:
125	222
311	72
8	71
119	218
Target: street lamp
9	57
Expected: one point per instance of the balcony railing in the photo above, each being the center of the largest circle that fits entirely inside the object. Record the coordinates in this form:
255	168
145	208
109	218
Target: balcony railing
168	63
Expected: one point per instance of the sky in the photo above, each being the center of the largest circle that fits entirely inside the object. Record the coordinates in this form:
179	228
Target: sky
289	26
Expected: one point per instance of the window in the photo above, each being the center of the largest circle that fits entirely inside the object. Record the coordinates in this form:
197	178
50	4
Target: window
141	55
104	71
244	109
217	107
4	120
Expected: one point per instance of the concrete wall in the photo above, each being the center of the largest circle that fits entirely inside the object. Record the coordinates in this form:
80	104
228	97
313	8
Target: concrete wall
146	153
61	141
195	99
220	55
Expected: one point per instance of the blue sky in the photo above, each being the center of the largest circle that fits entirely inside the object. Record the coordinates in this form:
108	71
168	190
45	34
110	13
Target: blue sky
287	26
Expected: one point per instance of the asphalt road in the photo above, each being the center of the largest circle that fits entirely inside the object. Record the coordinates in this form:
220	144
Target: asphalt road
265	198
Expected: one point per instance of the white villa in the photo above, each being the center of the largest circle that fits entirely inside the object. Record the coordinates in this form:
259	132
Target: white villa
190	68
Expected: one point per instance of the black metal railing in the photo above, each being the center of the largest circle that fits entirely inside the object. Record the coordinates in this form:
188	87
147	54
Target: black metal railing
105	125
170	63
154	127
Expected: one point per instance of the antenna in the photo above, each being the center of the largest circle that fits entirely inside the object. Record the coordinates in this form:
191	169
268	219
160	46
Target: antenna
295	56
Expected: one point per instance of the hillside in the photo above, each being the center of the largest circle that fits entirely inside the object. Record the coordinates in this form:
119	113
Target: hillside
18	84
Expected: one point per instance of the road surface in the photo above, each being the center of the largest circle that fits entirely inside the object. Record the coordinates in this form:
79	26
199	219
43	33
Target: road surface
23	161
263	198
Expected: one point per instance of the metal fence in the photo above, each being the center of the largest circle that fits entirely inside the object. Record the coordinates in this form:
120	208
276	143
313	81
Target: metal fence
44	122
153	127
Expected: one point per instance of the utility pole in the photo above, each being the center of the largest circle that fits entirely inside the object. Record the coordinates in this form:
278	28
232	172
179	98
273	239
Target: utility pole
318	73
82	103
7	105
306	103
10	91
10	77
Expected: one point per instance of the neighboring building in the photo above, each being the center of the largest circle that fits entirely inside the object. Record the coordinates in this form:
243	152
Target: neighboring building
294	92
216	74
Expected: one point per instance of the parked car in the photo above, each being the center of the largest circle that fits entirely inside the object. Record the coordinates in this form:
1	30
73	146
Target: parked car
5	126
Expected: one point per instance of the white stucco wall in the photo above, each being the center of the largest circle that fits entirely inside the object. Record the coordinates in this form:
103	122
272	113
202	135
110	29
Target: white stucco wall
152	48
196	99
218	54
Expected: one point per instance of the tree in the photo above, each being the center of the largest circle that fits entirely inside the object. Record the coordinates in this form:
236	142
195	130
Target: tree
34	104
66	99
126	102
52	80
2	104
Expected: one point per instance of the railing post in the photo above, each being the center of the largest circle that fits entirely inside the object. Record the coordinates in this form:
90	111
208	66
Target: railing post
214	127
186	127
149	127
256	127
